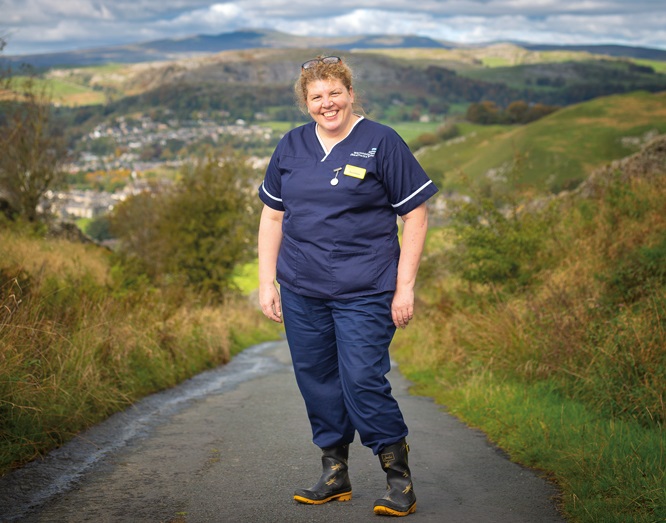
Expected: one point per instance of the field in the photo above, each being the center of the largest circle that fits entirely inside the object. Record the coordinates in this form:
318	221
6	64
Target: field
658	66
64	92
556	75
501	55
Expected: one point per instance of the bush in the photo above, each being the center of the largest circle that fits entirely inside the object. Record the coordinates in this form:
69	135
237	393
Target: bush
496	244
196	232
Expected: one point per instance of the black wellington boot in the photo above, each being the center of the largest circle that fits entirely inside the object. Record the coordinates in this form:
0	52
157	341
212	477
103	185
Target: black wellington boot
334	482
399	499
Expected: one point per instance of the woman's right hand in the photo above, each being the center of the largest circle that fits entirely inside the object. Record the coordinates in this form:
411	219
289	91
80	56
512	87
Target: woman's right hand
269	300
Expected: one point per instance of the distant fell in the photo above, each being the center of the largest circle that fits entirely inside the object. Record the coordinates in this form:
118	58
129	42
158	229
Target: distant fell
175	48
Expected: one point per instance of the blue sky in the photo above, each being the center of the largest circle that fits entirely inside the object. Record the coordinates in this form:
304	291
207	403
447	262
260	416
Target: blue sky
37	26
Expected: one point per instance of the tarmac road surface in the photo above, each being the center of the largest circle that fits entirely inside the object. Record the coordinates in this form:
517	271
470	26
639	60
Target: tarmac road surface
231	445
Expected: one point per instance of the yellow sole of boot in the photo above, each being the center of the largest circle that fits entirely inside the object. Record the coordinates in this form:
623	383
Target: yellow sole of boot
345	496
385	511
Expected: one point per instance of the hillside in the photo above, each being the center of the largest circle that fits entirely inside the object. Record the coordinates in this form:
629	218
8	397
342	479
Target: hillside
546	330
553	153
413	66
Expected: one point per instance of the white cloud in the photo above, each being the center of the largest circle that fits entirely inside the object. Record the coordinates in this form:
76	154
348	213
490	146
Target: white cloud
47	25
361	21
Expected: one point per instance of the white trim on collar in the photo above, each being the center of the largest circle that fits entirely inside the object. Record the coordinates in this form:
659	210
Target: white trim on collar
360	117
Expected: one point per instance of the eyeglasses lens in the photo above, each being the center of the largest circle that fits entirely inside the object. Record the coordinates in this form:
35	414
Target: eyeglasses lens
325	60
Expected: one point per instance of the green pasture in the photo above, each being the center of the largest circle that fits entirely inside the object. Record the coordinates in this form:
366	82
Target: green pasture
551	153
411	130
479	58
407	130
566	68
658	65
62	91
111	67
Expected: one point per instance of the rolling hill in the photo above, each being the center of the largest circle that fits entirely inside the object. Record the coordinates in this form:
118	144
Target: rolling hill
551	154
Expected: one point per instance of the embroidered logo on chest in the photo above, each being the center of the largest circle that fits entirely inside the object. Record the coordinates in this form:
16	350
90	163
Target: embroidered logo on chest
369	154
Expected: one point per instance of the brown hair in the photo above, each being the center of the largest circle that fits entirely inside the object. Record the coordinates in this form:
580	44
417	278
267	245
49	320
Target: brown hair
323	71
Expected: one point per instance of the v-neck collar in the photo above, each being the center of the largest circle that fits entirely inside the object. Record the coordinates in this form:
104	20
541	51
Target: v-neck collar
321	142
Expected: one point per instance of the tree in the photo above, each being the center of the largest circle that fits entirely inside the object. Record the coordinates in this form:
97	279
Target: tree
98	229
213	222
498	242
199	230
136	223
517	111
486	112
33	150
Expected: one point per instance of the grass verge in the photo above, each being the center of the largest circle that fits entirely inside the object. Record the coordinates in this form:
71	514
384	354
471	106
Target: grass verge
609	470
555	348
79	340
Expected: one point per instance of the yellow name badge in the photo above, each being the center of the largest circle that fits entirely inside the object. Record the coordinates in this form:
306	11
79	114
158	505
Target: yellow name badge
356	172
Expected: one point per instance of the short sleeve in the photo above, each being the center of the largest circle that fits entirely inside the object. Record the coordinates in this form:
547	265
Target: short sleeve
270	190
407	184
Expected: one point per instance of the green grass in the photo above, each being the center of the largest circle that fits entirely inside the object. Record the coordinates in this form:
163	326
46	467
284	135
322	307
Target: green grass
411	130
481	58
496	61
449	163
64	92
408	130
611	470
558	150
658	65
82	223
246	277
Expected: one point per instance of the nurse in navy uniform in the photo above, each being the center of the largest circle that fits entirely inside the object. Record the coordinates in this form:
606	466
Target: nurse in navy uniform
328	235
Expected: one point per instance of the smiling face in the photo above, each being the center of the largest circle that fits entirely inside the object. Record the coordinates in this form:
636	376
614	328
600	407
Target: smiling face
329	103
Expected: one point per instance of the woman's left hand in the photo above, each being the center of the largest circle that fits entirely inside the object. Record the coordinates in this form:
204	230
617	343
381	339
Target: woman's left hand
402	308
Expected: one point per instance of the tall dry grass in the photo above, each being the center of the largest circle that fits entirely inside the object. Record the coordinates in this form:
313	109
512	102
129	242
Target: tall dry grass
569	372
79	342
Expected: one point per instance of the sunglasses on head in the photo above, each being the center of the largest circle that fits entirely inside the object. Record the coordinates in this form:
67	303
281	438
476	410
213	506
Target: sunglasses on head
324	60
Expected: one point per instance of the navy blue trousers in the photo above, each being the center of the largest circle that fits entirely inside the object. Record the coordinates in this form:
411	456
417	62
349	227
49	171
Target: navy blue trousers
340	352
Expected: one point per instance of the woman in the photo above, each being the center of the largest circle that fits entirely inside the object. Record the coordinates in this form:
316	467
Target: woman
328	233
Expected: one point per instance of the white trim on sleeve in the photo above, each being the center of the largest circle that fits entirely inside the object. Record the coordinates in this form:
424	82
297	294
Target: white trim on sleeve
412	195
269	194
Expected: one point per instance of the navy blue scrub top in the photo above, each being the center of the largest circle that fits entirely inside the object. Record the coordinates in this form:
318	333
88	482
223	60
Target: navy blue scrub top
341	241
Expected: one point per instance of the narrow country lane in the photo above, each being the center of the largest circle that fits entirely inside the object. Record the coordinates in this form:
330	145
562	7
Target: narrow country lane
232	444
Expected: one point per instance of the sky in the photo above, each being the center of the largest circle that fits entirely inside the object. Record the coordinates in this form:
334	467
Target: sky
42	26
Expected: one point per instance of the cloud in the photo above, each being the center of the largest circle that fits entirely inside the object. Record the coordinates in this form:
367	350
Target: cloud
48	25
